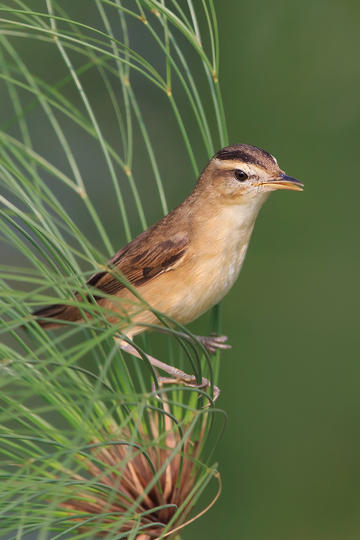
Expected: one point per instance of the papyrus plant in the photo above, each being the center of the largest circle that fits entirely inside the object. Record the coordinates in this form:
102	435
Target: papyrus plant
90	443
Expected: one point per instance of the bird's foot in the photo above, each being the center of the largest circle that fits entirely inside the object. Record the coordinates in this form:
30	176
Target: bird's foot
177	376
213	343
190	381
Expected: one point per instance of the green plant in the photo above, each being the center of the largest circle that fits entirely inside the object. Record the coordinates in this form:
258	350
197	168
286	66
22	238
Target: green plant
88	446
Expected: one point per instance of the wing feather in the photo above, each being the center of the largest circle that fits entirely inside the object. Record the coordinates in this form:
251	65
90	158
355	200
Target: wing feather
156	250
139	262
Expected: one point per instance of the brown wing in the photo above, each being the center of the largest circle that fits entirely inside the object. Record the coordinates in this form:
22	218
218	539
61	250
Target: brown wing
140	261
153	252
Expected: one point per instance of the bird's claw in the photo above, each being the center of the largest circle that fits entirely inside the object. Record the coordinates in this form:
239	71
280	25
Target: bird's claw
213	343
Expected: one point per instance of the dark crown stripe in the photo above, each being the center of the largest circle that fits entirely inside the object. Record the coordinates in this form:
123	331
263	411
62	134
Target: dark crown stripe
245	153
236	154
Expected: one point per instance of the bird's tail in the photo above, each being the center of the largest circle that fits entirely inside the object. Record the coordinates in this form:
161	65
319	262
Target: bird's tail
59	312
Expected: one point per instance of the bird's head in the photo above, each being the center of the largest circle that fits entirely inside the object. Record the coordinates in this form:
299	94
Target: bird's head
241	172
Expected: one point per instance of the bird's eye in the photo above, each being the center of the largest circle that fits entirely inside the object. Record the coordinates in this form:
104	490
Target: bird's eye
240	175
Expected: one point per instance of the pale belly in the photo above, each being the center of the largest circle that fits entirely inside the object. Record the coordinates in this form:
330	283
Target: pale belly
190	290
207	273
214	282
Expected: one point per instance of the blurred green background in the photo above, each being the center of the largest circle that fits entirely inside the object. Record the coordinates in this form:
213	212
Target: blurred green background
290	456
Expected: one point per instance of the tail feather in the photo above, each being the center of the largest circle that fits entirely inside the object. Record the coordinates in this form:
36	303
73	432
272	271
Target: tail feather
59	312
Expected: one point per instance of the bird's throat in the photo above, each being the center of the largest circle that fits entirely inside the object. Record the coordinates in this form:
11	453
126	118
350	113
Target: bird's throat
228	227
220	246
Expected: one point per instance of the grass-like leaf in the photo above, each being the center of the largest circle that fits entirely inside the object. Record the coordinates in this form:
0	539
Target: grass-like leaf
90	443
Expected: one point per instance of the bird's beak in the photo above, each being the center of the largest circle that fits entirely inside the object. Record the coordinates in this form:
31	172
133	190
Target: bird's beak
285	182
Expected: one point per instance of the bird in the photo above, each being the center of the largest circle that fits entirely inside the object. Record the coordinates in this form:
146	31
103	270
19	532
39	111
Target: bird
189	260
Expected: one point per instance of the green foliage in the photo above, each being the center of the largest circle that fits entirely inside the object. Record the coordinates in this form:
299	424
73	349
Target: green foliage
77	416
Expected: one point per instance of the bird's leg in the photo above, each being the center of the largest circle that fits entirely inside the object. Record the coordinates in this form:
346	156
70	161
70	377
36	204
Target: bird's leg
176	374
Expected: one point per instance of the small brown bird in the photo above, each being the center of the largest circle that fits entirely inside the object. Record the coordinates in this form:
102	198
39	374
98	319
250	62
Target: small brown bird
184	264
